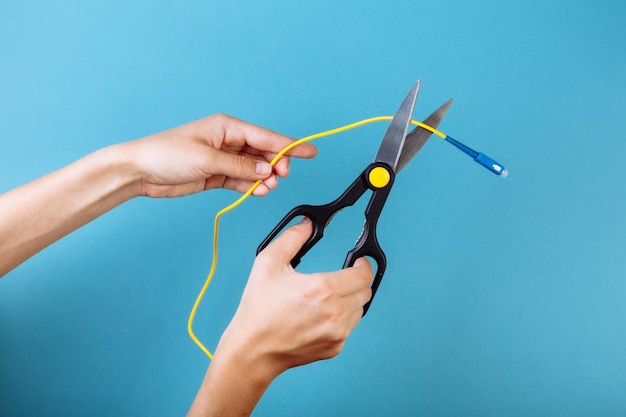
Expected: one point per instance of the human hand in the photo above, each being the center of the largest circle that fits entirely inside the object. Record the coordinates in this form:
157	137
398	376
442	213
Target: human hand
290	319
285	319
217	151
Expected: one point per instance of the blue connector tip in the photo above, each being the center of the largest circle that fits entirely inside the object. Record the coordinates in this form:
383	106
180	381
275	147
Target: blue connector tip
491	165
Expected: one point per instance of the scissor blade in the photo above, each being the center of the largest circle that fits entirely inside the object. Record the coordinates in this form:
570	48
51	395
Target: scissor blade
393	141
419	136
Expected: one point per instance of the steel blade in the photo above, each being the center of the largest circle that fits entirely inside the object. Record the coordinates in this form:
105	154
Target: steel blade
393	140
416	139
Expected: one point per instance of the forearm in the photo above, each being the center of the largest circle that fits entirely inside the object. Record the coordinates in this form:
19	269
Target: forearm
37	214
216	151
235	381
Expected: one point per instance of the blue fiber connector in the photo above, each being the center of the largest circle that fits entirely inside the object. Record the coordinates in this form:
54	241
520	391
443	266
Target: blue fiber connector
479	157
491	165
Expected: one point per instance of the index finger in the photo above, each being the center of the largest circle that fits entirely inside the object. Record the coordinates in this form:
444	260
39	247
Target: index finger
263	139
353	279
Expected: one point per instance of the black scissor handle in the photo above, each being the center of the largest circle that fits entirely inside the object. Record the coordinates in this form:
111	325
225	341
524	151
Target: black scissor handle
367	245
320	216
317	217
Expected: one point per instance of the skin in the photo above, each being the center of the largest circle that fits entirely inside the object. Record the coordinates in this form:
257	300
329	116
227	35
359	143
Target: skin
285	319
218	151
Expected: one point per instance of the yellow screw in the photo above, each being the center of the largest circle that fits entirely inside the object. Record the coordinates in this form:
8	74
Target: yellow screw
379	177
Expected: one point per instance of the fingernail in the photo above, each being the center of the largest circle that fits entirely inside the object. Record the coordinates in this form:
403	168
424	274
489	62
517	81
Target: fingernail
263	168
305	220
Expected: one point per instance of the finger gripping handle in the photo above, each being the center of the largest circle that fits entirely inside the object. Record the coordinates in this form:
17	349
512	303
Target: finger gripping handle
368	246
302	210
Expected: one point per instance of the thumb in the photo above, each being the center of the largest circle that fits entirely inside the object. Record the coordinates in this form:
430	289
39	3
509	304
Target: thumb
282	250
239	166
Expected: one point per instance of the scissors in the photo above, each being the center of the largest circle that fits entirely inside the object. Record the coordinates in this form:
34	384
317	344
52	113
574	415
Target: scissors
395	152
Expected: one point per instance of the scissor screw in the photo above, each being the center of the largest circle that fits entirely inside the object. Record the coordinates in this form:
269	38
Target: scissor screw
379	177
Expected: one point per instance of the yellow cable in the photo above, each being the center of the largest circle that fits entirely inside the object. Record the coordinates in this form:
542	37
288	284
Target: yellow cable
254	187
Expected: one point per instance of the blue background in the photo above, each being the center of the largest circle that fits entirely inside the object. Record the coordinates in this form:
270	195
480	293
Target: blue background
502	297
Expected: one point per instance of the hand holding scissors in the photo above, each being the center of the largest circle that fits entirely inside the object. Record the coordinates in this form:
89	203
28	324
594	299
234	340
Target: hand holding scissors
395	151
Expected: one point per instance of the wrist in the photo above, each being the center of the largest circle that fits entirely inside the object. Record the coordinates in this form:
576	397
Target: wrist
244	353
123	173
237	378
